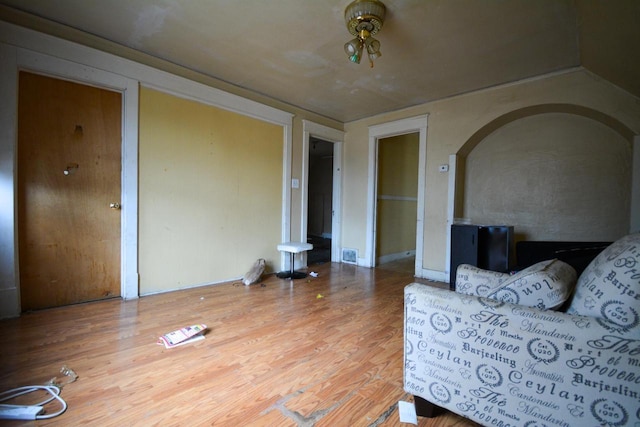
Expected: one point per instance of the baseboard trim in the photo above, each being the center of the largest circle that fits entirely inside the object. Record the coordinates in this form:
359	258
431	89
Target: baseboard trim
9	303
395	257
436	276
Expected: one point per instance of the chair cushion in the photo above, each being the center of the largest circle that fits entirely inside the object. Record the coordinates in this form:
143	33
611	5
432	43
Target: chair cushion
295	247
609	288
547	284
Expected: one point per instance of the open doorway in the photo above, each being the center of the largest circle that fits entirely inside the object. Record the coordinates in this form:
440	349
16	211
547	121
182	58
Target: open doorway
320	202
397	199
324	145
385	130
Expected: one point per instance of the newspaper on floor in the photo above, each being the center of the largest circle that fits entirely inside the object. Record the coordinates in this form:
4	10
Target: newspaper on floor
183	336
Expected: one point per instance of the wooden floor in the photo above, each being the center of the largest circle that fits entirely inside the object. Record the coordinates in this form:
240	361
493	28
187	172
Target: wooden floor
323	351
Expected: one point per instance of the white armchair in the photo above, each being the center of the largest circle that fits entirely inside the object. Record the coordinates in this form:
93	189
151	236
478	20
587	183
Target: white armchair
505	364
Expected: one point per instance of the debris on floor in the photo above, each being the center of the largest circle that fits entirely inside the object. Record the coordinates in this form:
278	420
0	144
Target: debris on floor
319	296
183	336
407	411
313	274
20	410
66	371
255	272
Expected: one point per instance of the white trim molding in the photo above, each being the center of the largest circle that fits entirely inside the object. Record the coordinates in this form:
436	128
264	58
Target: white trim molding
9	289
451	201
336	137
384	130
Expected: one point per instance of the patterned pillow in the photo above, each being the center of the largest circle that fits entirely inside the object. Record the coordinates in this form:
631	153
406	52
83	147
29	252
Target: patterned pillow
547	284
609	288
471	280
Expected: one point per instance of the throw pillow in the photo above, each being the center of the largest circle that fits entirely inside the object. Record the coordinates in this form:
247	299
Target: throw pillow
547	284
471	280
609	288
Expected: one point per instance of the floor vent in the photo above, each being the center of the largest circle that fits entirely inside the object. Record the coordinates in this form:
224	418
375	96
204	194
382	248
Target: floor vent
350	256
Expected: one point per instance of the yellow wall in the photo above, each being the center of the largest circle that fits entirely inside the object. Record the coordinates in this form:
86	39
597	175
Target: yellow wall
210	193
397	193
451	123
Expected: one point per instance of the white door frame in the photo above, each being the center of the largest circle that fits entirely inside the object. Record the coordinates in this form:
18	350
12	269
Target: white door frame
325	133
385	130
59	68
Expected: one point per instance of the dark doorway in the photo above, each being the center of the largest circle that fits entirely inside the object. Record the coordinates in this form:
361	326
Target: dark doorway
320	204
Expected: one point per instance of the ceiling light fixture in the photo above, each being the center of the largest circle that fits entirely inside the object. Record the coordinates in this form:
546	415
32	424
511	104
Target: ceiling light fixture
364	19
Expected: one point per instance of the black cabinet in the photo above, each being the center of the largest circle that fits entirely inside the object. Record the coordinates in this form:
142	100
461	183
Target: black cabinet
489	247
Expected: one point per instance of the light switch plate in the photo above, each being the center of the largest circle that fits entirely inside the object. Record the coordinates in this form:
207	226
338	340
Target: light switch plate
295	183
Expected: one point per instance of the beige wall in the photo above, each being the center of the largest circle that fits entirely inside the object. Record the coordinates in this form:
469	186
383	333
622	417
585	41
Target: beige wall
451	124
210	193
557	176
397	195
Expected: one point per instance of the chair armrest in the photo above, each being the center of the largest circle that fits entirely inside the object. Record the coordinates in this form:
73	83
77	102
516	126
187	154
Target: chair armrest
503	364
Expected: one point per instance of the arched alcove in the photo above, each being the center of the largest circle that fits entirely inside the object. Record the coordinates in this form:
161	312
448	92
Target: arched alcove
554	172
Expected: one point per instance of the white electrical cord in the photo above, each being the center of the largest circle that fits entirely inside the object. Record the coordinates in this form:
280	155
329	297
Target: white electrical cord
53	390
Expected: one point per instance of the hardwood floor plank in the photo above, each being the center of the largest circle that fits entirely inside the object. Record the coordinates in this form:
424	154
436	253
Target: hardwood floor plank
323	351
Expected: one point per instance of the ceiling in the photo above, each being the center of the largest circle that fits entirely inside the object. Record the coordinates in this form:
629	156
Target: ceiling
292	50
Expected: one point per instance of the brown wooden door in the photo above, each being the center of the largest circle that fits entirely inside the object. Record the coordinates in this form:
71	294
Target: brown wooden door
69	162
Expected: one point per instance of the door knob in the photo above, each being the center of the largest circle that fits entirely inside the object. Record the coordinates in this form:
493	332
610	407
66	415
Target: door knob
114	205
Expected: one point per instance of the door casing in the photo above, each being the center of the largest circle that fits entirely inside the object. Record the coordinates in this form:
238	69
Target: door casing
398	127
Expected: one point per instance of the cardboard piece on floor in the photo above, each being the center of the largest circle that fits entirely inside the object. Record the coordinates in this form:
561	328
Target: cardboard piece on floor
183	336
407	412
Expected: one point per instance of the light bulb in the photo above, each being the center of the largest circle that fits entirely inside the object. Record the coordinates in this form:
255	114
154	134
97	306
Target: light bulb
353	49
373	48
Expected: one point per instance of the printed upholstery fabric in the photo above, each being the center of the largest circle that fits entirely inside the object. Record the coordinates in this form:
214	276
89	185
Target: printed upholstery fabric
501	364
546	284
471	280
609	288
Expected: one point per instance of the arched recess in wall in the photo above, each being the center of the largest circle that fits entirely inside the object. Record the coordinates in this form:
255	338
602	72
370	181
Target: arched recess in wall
553	171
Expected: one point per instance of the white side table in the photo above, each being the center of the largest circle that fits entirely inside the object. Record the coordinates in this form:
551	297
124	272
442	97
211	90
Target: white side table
293	248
